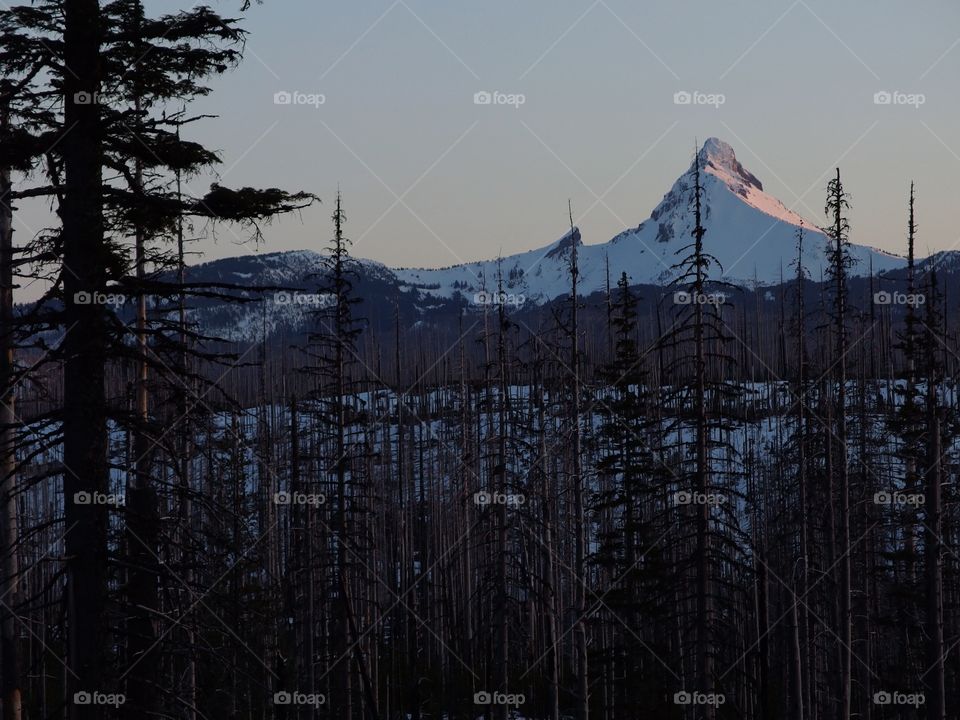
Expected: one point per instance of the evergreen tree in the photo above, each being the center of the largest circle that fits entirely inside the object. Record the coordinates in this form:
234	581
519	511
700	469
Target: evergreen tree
840	261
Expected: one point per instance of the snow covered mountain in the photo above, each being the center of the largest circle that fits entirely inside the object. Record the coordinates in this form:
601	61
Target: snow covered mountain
750	232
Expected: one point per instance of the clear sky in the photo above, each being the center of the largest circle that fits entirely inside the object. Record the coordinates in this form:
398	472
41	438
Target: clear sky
430	178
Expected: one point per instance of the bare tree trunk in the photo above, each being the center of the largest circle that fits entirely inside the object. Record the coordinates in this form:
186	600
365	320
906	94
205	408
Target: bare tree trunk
407	525
85	422
502	711
803	659
10	571
343	693
842	466
549	592
580	565
933	544
185	445
796	665
142	520
469	464
704	592
763	633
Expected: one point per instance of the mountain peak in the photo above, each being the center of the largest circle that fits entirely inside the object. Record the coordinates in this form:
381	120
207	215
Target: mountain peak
718	156
563	245
716	149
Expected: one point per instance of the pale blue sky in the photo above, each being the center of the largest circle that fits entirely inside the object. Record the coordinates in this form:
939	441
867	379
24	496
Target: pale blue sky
798	77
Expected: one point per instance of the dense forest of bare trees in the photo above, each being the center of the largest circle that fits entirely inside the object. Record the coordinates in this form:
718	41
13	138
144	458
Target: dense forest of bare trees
682	513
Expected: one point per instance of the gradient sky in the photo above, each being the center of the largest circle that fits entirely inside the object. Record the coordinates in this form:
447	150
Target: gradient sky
599	121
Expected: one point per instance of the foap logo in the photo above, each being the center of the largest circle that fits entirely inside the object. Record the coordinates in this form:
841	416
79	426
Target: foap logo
685	697
299	698
97	498
98	298
91	98
483	499
84	697
499	298
314	300
898	298
496	97
682	297
498	698
895	97
685	97
299	498
295	97
895	497
698	498
886	697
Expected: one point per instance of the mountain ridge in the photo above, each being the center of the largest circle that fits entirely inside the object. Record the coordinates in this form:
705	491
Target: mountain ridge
751	233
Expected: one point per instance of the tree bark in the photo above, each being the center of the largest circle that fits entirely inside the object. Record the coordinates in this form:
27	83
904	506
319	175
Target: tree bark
85	422
10	571
580	629
933	543
142	518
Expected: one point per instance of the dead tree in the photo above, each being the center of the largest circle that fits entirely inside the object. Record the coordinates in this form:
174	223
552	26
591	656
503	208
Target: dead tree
838	231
